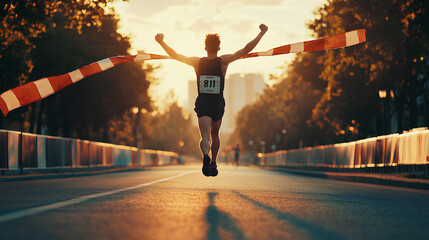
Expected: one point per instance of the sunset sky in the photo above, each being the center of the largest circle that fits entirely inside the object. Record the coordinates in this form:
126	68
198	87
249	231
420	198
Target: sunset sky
186	22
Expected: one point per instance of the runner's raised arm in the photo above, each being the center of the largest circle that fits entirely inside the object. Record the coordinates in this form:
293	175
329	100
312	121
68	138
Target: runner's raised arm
193	61
226	59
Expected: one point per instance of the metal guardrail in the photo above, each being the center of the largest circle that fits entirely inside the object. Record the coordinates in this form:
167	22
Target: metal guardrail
396	150
20	150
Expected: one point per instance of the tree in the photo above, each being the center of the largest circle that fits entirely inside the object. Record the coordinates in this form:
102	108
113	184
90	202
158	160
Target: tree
280	116
170	130
387	61
20	21
173	131
332	96
62	36
100	97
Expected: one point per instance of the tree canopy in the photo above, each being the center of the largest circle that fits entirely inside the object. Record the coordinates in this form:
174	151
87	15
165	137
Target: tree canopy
333	96
46	38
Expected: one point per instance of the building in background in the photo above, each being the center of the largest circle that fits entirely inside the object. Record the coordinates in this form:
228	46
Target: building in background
240	90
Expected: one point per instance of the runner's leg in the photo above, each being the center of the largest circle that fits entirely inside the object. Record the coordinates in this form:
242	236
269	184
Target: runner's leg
215	126
204	124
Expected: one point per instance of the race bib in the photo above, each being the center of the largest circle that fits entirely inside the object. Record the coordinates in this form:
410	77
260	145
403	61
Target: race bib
210	84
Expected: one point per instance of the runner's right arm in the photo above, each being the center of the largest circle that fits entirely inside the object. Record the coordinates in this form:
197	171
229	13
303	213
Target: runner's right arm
193	61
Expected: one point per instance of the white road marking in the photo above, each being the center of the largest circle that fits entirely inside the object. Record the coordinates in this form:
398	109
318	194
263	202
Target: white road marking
31	211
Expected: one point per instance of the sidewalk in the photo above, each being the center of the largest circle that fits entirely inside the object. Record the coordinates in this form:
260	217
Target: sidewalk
371	178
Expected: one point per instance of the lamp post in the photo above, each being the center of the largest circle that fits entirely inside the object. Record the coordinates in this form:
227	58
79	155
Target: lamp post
181	146
252	152
262	146
137	112
284	132
382	94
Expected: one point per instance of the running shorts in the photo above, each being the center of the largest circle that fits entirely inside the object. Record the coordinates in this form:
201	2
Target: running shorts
210	105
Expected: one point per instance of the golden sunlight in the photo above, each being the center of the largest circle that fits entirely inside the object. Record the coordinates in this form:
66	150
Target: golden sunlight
235	22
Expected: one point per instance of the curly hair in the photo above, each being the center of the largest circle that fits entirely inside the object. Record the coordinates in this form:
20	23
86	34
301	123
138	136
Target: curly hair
212	42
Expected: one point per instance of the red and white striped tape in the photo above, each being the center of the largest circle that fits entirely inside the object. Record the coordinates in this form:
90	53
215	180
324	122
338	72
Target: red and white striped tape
339	41
39	89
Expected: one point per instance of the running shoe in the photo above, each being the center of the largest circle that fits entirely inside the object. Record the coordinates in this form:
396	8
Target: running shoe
206	166
213	169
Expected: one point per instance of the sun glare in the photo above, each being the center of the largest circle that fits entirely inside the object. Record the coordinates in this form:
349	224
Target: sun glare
235	22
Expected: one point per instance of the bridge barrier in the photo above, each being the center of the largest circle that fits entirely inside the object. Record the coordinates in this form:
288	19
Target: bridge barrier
407	149
19	151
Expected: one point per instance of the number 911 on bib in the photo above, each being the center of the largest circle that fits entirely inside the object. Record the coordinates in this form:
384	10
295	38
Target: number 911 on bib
209	84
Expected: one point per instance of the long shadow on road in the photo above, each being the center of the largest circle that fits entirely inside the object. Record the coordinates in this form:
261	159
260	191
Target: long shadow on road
312	230
218	220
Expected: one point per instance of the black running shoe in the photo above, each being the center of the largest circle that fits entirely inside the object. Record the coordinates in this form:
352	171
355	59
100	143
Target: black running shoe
206	166
213	169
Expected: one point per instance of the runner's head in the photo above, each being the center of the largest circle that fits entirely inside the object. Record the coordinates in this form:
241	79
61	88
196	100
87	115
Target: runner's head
212	43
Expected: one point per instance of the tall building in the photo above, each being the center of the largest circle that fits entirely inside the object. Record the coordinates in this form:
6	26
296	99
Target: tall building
240	90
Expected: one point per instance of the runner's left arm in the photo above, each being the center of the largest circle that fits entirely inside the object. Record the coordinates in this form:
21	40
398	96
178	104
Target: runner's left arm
249	47
192	61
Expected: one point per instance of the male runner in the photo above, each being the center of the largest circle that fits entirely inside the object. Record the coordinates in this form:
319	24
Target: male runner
210	104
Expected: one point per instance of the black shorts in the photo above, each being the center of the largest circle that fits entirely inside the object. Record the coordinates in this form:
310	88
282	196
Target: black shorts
212	106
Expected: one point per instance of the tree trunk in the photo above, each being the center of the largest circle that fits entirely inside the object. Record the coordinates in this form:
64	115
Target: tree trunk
38	129
400	115
413	103
32	120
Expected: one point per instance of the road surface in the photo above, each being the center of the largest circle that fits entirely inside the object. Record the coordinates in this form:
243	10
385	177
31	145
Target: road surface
178	202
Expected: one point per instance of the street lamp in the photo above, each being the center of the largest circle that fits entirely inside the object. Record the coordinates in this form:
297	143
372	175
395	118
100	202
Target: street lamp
382	94
181	145
136	111
263	146
284	131
253	157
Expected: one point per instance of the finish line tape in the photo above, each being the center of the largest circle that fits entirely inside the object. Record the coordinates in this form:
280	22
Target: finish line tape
39	89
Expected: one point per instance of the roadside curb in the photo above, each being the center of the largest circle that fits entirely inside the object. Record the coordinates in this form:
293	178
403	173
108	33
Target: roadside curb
64	173
370	178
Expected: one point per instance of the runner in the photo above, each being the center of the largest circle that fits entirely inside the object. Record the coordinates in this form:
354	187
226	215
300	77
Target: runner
210	104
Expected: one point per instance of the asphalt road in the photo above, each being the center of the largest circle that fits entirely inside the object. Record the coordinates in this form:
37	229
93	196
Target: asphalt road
178	202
